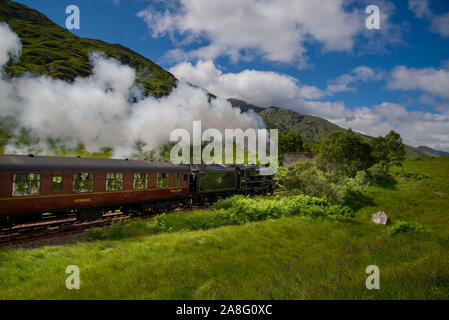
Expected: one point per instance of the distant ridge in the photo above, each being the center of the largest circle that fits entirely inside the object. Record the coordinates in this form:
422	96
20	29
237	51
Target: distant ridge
432	152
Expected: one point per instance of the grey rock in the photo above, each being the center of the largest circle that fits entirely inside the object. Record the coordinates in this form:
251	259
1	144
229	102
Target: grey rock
380	218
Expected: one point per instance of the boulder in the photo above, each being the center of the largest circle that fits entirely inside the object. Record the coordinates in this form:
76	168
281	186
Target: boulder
380	218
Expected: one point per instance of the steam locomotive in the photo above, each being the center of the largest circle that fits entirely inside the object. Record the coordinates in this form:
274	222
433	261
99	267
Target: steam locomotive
35	187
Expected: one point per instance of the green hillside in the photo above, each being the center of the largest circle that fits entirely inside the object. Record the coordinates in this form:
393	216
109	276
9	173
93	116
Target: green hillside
51	50
311	128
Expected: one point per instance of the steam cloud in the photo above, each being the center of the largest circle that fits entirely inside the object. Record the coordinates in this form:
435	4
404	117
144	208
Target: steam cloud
106	109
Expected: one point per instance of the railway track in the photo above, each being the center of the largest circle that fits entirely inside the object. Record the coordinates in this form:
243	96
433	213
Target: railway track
54	228
68	226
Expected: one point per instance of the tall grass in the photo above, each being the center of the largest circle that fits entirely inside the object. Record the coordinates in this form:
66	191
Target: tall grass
236	210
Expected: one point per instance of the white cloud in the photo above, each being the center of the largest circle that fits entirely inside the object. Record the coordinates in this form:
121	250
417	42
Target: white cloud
420	8
359	74
311	92
438	23
275	29
263	88
430	80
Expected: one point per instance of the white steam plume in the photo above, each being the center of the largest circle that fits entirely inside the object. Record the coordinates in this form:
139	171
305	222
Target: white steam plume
107	109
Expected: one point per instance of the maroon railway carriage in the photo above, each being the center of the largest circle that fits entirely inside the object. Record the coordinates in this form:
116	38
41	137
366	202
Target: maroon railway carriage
31	186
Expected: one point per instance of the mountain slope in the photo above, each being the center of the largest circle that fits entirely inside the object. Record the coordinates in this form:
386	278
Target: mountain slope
51	50
432	152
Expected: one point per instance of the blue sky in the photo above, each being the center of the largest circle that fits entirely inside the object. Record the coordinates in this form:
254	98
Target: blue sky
317	58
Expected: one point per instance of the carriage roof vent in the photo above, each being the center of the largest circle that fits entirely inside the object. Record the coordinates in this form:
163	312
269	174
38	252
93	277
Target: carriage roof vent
126	159
78	156
30	155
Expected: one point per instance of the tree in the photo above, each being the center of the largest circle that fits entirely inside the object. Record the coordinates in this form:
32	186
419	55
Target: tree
388	150
346	152
290	142
308	179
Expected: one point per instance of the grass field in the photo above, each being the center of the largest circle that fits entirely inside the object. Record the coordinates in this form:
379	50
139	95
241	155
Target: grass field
294	257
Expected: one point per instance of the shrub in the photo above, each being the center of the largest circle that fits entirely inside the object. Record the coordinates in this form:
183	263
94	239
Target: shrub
95	234
309	180
362	178
376	172
160	223
413	175
240	209
404	227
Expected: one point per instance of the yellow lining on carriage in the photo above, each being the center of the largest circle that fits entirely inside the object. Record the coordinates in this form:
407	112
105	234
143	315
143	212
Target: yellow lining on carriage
87	194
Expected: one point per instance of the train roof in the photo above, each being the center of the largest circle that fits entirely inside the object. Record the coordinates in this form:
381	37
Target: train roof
21	162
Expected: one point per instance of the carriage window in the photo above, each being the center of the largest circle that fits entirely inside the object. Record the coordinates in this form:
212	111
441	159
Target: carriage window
83	182
186	179
140	181
177	179
162	180
26	184
114	181
57	183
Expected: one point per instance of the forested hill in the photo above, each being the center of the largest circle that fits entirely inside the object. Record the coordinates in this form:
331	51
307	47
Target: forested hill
49	49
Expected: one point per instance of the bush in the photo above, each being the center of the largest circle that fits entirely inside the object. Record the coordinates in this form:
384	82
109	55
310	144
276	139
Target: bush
362	178
160	223
413	175
309	180
404	227
95	234
239	209
376	172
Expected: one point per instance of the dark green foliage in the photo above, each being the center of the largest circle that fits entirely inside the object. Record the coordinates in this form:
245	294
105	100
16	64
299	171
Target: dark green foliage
49	49
120	230
404	227
345	152
290	142
307	179
388	150
241	209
